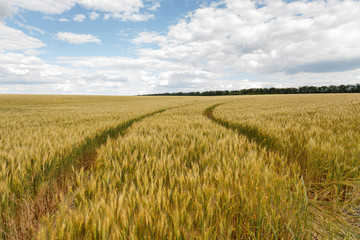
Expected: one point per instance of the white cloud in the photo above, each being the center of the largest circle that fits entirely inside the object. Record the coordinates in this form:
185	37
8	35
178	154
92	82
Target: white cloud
127	10
63	20
155	6
18	68
48	18
129	16
113	6
31	29
213	47
29	74
298	43
153	75
79	18
149	37
124	63
77	38
94	15
12	39
318	79
45	6
316	36
6	9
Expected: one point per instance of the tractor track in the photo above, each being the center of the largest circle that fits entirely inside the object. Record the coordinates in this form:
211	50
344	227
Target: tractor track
54	179
295	154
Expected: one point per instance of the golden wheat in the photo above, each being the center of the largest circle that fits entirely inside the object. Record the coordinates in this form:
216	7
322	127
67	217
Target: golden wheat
244	167
320	133
36	131
178	175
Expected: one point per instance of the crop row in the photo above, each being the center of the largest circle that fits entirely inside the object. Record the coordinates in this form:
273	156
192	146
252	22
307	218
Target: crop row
42	147
320	133
178	175
259	167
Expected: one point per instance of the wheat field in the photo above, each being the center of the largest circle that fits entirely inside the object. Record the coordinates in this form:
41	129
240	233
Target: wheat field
229	167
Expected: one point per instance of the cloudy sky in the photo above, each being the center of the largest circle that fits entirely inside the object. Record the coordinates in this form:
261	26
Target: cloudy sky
131	47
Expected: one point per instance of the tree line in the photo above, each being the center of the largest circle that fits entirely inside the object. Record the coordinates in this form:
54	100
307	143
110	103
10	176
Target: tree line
257	91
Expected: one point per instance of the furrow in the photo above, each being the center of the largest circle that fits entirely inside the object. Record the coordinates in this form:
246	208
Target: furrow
296	154
252	133
46	187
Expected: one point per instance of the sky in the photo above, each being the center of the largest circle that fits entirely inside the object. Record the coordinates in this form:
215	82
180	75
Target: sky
131	47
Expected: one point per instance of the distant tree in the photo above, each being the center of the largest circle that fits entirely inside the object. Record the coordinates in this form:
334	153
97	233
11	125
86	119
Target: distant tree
253	91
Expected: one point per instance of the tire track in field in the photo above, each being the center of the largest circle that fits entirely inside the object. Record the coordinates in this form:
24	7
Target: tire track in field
297	153
271	143
44	188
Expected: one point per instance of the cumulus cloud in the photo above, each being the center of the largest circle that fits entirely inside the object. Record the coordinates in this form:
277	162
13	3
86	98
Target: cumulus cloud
79	17
301	36
217	46
63	20
127	10
18	68
77	38
155	6
6	9
12	39
50	18
94	15
292	44
136	17
30	74
45	6
153	75
149	37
